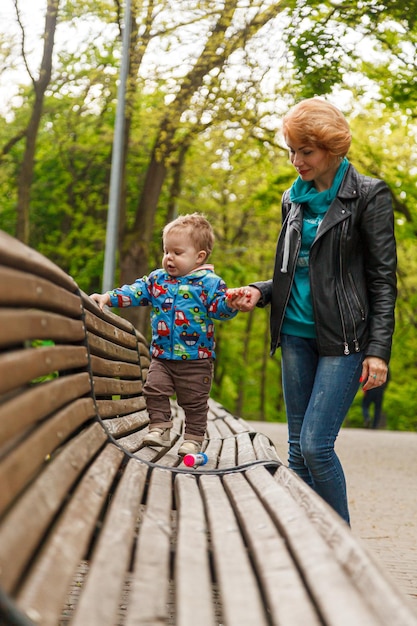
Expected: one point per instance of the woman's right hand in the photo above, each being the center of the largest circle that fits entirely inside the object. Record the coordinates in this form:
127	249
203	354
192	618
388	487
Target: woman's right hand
243	298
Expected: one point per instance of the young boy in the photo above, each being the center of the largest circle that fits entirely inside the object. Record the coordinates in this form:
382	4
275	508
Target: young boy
185	296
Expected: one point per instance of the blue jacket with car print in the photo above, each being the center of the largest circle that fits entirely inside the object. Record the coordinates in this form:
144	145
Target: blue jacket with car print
183	308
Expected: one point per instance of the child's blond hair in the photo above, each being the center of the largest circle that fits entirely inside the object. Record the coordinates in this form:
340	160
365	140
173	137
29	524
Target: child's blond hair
198	228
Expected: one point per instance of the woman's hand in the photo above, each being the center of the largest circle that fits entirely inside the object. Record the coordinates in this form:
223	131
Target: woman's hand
243	298
374	372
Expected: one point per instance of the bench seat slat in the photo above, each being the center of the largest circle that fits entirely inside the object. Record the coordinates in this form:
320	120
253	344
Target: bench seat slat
33	405
245	451
120	426
56	564
101	328
345	605
103	347
23	526
363	570
287	599
105	367
20	289
110	408
21	367
110	386
264	449
227	456
17	326
239	594
151	571
15	254
194	595
23	463
99	600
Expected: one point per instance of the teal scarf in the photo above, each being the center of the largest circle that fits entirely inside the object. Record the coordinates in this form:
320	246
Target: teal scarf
318	201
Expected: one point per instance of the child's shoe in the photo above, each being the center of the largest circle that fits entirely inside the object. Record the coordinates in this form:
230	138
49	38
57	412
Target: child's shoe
158	437
189	446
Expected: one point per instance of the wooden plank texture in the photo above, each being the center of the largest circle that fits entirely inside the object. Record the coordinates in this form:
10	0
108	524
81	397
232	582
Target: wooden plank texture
18	325
286	597
345	605
37	403
24	525
21	289
99	601
193	585
67	545
240	597
151	572
23	463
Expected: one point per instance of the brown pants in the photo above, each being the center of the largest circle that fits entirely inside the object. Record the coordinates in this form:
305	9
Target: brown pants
191	382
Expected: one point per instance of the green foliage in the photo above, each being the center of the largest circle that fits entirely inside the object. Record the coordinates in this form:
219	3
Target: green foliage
224	159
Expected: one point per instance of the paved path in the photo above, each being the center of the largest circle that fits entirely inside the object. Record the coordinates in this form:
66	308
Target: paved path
381	474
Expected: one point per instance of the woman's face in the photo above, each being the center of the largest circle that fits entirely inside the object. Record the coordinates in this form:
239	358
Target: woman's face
314	164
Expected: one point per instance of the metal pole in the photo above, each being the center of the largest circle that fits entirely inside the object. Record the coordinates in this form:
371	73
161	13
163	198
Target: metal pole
117	161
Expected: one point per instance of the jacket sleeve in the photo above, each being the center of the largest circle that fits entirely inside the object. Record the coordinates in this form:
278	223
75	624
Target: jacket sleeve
137	294
377	227
217	306
265	287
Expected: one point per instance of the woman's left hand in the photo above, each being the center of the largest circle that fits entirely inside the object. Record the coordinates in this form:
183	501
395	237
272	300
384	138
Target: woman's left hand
374	372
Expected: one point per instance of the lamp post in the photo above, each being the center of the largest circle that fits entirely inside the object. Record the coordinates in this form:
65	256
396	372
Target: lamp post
117	160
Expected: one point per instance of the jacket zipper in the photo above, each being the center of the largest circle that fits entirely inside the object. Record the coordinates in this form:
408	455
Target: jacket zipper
355	294
355	339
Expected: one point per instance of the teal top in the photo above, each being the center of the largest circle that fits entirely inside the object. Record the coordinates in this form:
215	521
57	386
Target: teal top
299	317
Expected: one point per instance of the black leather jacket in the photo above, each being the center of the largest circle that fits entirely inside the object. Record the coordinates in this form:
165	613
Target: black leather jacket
352	270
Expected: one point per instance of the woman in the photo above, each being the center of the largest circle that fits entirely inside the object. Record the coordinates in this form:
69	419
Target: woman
332	294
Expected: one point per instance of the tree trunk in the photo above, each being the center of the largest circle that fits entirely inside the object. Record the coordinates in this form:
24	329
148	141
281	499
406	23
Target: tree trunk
26	171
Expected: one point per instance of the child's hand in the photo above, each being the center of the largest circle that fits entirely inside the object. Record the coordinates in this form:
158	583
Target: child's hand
102	299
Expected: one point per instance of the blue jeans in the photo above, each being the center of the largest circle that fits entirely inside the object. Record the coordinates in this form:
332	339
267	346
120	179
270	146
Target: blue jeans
318	392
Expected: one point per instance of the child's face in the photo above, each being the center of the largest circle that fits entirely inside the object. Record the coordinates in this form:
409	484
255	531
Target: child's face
180	255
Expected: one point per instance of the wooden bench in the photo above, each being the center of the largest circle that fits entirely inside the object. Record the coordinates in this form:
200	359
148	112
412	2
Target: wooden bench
97	530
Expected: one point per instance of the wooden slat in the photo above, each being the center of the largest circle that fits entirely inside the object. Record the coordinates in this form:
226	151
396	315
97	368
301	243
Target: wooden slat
245	451
17	326
106	367
384	598
213	452
15	254
101	328
57	562
26	290
22	528
344	606
98	605
35	404
109	386
151	574
120	426
103	347
23	463
109	408
107	315
192	568
228	453
264	448
23	366
241	601
288	602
